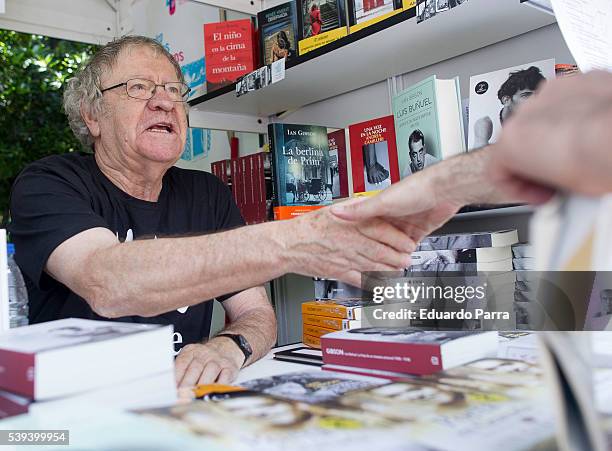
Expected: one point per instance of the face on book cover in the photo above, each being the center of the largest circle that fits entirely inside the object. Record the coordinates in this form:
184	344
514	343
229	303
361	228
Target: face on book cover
139	130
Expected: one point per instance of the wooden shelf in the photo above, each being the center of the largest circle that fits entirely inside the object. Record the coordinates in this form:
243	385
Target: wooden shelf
395	46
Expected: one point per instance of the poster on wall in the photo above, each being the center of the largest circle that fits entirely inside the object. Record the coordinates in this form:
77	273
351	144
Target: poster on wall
198	144
177	25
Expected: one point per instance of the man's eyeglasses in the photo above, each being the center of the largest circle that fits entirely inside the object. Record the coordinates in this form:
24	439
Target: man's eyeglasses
143	89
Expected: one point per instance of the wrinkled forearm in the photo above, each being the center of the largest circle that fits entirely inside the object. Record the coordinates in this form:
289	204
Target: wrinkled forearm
464	180
150	277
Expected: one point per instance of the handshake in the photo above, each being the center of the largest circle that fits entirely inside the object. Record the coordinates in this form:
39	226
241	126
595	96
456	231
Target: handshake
344	240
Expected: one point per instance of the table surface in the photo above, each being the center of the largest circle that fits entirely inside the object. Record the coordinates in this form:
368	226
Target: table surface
267	366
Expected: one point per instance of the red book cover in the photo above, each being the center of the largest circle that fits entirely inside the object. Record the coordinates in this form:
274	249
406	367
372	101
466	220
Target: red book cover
337	164
408	351
235	171
229	51
396	357
17	371
374	163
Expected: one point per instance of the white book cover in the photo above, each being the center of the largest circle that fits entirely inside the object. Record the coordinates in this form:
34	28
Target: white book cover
65	333
494	97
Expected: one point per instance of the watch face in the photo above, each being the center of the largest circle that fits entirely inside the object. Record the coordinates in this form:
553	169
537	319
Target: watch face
244	345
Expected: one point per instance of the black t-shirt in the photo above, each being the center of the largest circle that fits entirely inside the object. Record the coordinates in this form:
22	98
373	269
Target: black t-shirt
60	196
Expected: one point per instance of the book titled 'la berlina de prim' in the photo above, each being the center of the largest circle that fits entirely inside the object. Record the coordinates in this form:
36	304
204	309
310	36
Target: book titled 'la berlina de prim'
302	180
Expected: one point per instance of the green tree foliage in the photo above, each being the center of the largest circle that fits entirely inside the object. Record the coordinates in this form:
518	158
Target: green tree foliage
33	70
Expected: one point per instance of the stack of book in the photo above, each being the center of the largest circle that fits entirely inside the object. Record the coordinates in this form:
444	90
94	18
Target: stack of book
325	316
72	363
466	252
526	285
477	257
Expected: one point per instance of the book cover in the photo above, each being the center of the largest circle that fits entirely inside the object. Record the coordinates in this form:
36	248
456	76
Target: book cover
337	164
346	309
320	22
300	155
405	350
228	48
494	96
478	255
374	163
363	13
428	124
498	238
312	387
329	322
278	28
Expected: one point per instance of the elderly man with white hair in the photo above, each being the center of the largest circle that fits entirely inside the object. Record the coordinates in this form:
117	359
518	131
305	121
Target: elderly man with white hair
122	234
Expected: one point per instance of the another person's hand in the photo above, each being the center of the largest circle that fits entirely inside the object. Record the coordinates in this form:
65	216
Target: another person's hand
324	245
415	206
218	360
560	140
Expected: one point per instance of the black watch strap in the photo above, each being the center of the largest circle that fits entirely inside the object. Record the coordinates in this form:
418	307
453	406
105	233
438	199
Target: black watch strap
241	342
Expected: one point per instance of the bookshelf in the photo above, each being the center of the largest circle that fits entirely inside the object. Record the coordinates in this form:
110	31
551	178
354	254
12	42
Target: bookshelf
392	47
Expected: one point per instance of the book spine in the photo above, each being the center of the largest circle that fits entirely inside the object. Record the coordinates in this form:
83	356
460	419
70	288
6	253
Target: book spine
244	177
261	178
333	310
17	370
275	179
315	331
329	322
225	171
235	175
386	356
313	342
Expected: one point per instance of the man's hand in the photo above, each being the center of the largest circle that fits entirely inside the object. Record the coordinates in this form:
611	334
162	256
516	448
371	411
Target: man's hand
324	245
217	360
413	206
561	139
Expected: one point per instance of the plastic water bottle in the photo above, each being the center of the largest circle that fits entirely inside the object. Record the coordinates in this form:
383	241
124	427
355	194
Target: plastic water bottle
18	293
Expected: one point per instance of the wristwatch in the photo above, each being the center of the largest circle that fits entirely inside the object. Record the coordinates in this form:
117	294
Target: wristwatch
242	343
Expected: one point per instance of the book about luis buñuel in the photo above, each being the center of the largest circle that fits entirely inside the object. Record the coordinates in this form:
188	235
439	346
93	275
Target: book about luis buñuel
320	22
428	124
495	96
302	180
